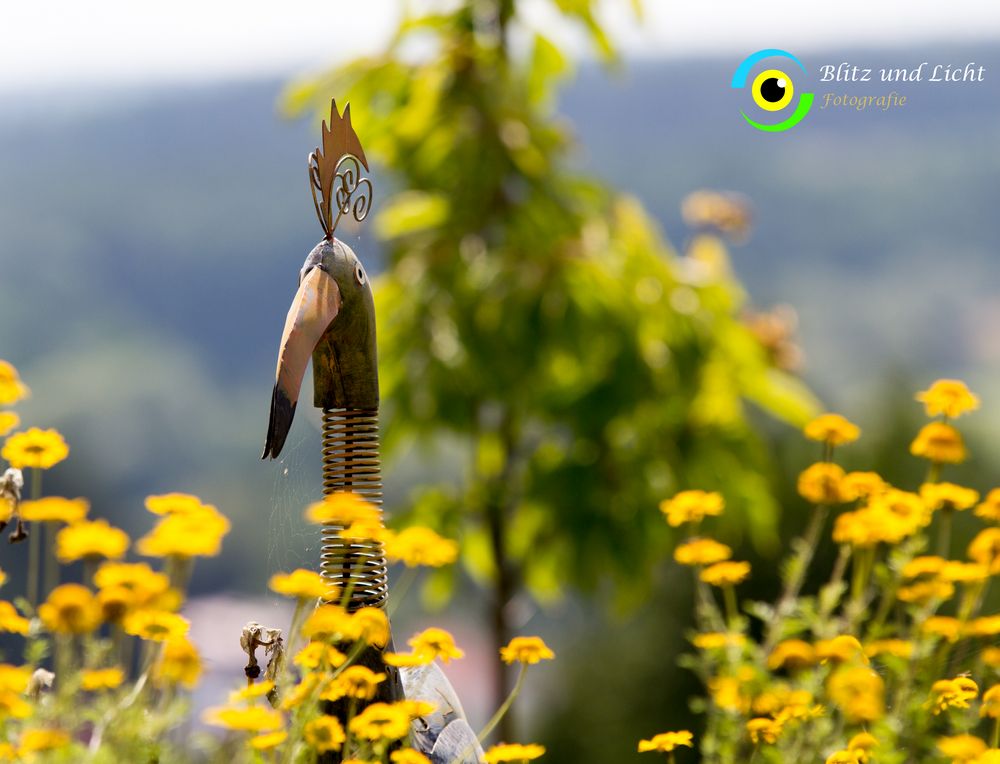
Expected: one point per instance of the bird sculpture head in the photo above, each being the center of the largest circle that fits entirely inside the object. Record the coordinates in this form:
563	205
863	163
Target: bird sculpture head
332	317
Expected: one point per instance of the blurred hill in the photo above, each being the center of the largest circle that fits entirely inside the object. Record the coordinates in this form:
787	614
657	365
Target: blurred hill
150	243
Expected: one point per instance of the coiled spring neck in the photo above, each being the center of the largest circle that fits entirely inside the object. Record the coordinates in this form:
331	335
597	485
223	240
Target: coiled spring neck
351	462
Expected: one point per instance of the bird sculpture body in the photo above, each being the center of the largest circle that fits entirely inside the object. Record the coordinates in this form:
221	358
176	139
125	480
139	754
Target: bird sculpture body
332	322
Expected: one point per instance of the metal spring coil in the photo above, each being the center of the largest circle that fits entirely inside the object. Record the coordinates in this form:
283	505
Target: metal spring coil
351	463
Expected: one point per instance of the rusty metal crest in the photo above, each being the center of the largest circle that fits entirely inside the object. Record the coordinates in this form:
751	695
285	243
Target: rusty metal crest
335	176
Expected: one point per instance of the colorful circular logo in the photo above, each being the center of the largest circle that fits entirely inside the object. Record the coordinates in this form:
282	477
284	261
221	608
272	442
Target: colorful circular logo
773	90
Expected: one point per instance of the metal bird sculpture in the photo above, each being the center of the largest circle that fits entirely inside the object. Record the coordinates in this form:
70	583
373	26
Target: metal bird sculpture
332	321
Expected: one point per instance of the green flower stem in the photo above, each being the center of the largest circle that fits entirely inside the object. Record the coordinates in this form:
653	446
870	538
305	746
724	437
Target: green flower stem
798	567
51	580
502	711
732	610
944	532
995	738
34	543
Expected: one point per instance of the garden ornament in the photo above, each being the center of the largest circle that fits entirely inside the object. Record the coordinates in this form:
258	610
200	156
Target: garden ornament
332	321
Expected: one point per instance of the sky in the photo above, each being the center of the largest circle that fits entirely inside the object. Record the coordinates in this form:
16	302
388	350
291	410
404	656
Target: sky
67	43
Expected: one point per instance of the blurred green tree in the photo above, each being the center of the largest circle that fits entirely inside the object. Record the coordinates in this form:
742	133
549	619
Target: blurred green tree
537	317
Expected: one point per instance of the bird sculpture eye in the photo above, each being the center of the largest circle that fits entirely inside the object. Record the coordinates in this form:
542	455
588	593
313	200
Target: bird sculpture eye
772	90
359	274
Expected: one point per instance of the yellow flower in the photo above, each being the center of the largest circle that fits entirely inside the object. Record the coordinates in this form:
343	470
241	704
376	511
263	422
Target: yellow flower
964	572
54	509
727	691
252	691
888	519
417	708
325	734
947	496
991	656
949	397
354	682
196	533
420	546
702	552
91	540
101	679
942	626
763	729
922	592
989	509
144	583
939	442
987	626
155	625
864	484
793	654
301	583
345	509
12	704
963	749
951	693
14	678
666	742
928	565
12	389
437	643
320	655
371	625
268	740
514	752
328	622
691	507
526	650
36	448
244	719
381	721
70	609
8	421
859	693
832	429
408	756
11	620
989	756
303	691
840	649
38	740
985	549
174	504
407	660
898	648
714	640
844	757
725	573
862	745
991	703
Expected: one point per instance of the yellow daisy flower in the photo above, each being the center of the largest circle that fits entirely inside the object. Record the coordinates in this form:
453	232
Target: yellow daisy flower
70	609
420	546
381	721
101	679
155	625
8	421
437	643
691	507
526	650
12	389
702	552
503	752
244	719
53	509
91	540
665	742
40	449
939	442
12	621
832	429
725	573
197	533
949	397
300	583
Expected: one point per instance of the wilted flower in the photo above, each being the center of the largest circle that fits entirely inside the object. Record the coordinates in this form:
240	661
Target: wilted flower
526	650
832	429
949	397
40	449
91	540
